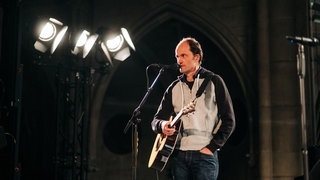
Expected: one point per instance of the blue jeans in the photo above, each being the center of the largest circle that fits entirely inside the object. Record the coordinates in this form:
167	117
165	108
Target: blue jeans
193	165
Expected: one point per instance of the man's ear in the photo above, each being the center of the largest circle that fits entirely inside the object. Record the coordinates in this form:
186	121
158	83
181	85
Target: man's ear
197	57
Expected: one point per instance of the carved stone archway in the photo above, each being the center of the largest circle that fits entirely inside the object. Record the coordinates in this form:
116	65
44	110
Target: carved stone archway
156	36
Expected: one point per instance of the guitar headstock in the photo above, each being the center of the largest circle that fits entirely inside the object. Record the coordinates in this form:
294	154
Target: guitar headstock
189	108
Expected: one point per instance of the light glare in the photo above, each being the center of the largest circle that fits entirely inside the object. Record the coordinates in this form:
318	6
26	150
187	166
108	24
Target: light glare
48	32
89	44
58	39
82	39
115	43
127	38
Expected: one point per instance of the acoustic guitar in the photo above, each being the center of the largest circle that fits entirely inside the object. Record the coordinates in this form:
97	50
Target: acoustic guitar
164	145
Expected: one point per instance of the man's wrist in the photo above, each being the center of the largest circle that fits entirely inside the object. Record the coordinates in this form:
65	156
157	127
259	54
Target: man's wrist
163	123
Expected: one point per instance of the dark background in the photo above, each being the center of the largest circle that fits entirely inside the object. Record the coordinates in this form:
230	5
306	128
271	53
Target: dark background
51	119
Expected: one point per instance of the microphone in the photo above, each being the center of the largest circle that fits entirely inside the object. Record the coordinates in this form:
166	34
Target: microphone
303	40
171	66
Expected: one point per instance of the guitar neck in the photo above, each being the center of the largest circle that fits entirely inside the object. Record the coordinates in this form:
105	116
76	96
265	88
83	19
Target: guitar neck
174	121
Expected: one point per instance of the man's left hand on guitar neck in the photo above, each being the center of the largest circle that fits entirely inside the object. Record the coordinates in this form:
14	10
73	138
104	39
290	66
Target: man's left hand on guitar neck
166	129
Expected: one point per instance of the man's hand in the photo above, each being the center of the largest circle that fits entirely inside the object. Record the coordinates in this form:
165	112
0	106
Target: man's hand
167	130
206	151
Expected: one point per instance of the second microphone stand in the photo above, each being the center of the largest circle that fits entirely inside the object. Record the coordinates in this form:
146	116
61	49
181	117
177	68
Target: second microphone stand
301	68
134	121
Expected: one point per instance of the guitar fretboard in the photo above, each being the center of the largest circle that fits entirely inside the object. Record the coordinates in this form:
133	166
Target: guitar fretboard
173	122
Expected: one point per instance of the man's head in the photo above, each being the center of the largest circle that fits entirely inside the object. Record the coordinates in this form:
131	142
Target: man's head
189	55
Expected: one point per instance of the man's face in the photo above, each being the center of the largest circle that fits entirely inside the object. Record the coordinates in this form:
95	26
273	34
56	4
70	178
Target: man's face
185	58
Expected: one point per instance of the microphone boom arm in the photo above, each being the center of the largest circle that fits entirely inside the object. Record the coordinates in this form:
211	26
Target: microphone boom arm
134	118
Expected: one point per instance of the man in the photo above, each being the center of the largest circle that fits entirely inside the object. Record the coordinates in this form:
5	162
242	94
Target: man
205	130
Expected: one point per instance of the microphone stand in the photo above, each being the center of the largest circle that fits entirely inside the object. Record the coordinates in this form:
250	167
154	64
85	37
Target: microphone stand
301	73
134	121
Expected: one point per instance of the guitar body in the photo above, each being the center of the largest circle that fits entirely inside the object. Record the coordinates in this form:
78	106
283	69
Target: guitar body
163	148
164	145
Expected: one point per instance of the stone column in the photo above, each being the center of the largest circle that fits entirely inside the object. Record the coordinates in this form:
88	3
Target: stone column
265	136
280	141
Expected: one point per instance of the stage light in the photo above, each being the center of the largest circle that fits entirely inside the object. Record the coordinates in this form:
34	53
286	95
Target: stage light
315	6
50	36
316	18
84	43
117	46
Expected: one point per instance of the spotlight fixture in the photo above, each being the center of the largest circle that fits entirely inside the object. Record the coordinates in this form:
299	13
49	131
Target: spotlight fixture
50	36
118	45
107	45
315	7
315	18
84	43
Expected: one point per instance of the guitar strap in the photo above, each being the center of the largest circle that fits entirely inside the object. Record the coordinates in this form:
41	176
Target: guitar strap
204	84
201	90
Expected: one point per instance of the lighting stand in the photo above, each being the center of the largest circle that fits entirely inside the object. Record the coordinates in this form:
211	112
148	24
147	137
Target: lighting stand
301	73
18	96
18	109
71	158
134	120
